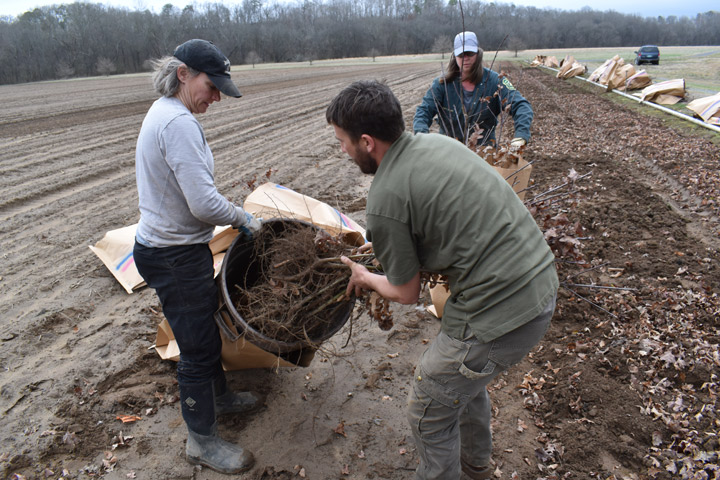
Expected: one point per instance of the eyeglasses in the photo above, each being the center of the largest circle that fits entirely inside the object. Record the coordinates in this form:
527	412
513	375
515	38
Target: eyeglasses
467	54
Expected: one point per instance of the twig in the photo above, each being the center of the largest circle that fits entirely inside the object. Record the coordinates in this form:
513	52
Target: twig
320	291
598	286
334	299
520	169
560	186
587	270
557	195
591	303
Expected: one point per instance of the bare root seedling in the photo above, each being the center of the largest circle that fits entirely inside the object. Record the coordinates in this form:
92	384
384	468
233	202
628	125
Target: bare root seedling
299	293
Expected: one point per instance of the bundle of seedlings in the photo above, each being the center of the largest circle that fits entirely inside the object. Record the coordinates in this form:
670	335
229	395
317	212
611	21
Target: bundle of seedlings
500	156
299	292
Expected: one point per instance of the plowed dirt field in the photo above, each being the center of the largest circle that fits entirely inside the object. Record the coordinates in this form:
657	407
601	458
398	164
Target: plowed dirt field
624	385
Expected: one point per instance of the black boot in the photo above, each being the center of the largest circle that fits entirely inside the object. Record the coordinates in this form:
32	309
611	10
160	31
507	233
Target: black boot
204	447
227	401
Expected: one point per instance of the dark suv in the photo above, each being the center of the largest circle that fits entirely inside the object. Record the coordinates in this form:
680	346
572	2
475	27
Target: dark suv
647	54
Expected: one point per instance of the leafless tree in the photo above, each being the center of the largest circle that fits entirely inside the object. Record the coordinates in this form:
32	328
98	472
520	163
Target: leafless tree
79	33
441	45
253	58
105	66
64	70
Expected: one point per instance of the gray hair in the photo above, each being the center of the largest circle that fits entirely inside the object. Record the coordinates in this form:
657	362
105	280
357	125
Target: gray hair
165	79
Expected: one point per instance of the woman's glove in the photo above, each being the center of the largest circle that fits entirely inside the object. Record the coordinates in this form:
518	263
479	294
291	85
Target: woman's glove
252	225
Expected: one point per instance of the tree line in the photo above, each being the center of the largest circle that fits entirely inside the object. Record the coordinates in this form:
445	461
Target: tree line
85	39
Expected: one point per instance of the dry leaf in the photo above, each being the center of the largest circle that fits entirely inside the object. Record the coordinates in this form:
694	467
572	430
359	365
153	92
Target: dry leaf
340	429
128	418
521	426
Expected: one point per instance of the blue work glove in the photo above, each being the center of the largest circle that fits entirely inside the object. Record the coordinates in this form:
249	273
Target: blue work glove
252	226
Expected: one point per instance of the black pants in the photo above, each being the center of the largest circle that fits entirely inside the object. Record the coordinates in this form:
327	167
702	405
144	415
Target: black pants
183	279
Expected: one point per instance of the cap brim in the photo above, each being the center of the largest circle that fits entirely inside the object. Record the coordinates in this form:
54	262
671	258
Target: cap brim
226	86
468	48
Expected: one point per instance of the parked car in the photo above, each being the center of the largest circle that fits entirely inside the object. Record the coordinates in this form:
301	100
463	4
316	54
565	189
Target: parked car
647	54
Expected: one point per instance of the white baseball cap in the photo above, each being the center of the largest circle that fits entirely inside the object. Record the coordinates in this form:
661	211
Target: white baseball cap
465	42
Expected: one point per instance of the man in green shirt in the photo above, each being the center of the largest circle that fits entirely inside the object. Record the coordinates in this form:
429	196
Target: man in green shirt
437	206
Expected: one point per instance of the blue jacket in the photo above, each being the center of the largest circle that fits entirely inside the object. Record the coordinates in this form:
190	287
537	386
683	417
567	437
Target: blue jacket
489	96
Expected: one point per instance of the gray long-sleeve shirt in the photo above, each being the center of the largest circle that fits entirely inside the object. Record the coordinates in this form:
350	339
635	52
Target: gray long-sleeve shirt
179	203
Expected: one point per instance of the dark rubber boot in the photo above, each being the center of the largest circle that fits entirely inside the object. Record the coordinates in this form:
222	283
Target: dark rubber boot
234	402
204	447
213	452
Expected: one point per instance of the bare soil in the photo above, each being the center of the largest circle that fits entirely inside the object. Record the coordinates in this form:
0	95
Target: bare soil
622	386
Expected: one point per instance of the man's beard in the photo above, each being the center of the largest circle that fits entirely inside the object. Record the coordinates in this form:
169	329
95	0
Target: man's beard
365	162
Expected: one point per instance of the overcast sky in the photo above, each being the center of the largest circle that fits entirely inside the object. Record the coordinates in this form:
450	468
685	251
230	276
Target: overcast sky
646	8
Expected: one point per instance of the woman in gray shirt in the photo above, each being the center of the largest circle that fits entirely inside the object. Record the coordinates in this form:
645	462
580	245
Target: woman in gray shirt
179	209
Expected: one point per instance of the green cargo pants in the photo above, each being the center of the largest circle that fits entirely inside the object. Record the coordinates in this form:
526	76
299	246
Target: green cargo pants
449	408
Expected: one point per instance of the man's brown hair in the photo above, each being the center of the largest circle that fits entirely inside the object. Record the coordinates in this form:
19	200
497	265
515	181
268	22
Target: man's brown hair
367	107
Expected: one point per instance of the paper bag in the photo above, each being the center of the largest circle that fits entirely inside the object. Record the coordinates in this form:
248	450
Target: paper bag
518	176
664	93
275	201
439	295
570	70
609	72
640	80
707	108
237	354
115	250
602	69
621	75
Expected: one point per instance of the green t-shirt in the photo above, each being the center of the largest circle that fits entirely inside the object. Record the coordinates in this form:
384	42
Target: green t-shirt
436	205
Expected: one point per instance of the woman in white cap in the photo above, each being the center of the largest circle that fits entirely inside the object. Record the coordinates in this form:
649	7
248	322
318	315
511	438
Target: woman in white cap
179	209
470	98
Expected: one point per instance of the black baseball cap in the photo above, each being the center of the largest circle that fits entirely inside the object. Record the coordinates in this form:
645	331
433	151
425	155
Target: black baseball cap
205	57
